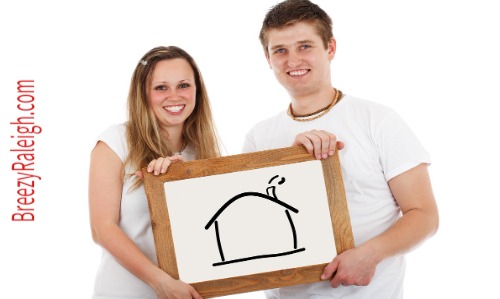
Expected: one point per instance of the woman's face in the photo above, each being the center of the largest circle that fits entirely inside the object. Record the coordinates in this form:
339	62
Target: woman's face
173	93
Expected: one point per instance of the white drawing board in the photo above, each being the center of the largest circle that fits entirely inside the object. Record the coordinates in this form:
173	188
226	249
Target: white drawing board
249	222
235	228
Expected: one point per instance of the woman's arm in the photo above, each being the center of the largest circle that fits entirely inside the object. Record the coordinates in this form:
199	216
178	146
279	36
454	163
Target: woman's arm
105	192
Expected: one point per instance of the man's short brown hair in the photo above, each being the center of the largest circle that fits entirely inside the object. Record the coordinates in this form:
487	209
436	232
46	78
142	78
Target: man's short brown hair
290	12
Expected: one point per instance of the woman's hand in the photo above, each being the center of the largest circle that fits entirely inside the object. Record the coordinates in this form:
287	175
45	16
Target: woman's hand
169	288
160	165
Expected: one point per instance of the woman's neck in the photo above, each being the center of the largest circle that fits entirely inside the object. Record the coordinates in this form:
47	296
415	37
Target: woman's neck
174	137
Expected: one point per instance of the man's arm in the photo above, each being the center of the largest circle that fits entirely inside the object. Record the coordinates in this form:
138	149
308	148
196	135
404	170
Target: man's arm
413	193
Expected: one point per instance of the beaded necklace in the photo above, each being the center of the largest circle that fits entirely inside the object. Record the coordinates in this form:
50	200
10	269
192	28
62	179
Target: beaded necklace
317	114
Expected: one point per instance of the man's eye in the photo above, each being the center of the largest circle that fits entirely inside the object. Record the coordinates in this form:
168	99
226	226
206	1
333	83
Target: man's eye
280	51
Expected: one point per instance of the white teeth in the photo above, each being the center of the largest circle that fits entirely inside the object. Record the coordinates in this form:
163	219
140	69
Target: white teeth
298	73
174	108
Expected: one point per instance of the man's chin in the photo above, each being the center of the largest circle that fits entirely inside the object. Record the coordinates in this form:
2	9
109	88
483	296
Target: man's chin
298	91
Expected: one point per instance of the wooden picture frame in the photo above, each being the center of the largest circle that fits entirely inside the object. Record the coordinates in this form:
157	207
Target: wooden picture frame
162	229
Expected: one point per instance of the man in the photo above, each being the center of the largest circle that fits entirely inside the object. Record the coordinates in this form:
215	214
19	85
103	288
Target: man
389	194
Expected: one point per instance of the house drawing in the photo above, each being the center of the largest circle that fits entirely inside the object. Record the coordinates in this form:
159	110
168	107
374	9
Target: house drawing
280	212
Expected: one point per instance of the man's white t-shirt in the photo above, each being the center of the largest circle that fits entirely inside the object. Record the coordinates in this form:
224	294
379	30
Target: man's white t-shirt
378	146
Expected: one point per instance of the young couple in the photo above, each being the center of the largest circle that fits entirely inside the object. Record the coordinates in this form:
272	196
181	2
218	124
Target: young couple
391	202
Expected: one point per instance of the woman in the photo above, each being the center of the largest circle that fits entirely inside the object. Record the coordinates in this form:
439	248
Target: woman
169	116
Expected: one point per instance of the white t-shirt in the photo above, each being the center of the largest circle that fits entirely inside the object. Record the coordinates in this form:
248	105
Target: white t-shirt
378	146
114	281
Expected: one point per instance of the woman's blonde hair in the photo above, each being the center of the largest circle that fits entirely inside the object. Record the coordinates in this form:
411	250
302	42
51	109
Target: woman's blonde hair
144	140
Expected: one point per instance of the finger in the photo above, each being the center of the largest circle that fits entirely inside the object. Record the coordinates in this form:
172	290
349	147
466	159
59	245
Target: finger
156	165
194	294
330	269
328	143
151	165
333	145
301	139
321	144
317	138
336	281
163	166
340	145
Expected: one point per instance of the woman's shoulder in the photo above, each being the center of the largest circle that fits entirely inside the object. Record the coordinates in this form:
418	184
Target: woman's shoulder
115	137
115	129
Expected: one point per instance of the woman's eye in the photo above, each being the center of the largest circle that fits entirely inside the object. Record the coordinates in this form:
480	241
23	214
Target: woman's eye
184	85
160	87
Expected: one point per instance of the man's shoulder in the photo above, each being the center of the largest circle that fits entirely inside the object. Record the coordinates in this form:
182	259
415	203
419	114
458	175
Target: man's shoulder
360	105
269	121
362	102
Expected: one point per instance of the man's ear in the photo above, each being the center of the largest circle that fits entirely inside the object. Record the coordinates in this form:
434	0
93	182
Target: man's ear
331	47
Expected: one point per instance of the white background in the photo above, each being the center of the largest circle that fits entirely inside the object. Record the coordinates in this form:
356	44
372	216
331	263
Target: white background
435	62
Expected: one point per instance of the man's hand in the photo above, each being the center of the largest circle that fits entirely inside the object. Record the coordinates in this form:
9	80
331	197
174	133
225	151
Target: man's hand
319	143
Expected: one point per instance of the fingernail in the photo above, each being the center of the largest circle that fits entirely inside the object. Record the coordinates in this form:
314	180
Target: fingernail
318	157
325	155
323	276
331	153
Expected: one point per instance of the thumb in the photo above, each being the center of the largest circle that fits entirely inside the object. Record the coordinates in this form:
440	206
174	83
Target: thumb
139	174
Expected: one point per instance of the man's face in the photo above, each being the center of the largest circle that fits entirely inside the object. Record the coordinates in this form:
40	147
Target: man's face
299	59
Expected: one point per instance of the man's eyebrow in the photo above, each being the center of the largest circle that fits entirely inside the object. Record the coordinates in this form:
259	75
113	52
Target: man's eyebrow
276	47
300	42
307	41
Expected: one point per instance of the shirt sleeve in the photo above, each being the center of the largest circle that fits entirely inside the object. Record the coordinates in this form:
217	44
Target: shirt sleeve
249	144
399	148
115	138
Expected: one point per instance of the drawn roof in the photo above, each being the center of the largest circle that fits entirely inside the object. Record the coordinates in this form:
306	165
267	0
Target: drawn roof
244	194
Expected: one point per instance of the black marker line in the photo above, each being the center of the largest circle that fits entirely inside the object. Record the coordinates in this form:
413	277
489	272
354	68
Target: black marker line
258	257
265	196
293	229
218	240
272	179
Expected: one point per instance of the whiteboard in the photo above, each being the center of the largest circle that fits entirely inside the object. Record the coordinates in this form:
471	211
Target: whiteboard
249	222
254	230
